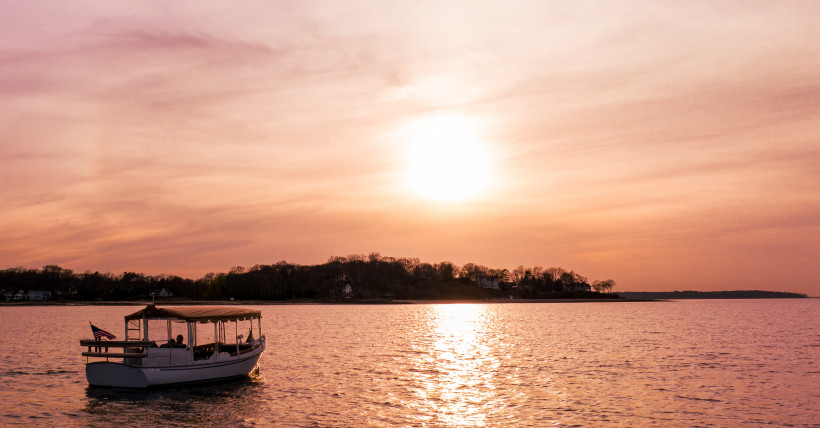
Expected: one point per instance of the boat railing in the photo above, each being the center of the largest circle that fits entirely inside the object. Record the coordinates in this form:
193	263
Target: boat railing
243	348
131	348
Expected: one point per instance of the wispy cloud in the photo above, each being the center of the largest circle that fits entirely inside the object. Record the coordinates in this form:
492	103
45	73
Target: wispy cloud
181	139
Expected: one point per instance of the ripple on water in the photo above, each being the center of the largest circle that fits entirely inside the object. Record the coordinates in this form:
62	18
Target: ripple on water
629	364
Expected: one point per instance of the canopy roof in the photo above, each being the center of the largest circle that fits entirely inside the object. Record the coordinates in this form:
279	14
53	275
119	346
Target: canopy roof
196	313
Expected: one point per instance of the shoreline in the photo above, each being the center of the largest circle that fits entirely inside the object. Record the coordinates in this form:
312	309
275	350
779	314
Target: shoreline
318	302
358	302
175	302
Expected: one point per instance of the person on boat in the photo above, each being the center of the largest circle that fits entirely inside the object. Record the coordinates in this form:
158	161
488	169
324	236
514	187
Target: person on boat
174	344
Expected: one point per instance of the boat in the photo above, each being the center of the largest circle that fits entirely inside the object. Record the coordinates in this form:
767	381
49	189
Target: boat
176	345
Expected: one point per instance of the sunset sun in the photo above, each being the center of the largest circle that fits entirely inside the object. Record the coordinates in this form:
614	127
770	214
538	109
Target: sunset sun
446	160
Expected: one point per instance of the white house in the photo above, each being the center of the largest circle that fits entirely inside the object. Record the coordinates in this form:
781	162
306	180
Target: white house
347	291
490	282
38	295
162	292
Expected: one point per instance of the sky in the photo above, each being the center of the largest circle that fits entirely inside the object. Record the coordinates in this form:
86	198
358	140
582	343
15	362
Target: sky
664	145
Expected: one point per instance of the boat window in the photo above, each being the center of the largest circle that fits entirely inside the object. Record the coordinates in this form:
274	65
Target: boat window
164	331
204	333
179	328
157	331
231	332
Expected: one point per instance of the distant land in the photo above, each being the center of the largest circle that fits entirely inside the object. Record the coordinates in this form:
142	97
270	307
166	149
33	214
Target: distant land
352	278
737	294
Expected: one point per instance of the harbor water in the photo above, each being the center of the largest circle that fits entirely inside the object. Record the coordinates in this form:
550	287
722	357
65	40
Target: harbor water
680	363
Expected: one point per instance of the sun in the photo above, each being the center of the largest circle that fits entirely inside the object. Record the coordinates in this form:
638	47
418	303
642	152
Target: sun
445	159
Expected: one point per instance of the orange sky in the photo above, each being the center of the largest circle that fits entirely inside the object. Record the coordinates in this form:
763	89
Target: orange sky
665	146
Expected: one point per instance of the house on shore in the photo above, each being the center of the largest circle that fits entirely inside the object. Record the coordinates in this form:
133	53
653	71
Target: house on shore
489	282
38	295
161	292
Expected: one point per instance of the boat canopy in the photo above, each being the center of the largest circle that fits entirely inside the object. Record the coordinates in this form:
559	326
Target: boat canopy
196	313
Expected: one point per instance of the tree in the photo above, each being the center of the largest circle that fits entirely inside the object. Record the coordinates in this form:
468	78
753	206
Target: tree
473	271
518	274
214	286
445	271
555	273
567	278
424	271
578	279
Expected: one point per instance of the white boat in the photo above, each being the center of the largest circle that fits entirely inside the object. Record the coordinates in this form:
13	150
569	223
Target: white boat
200	353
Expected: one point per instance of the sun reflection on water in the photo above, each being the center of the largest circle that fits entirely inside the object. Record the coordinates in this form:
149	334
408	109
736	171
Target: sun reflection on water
455	373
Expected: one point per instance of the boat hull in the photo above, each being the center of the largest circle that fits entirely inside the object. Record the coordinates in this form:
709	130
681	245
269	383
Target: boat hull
122	375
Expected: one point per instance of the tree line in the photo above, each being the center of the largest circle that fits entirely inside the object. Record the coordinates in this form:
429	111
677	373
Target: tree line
352	277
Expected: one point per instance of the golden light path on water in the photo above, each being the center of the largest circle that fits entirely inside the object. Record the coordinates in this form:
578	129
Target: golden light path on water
456	371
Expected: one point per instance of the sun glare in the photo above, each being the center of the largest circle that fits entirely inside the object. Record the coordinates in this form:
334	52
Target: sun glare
446	160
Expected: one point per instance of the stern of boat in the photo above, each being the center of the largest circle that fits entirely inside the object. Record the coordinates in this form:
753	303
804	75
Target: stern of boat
104	373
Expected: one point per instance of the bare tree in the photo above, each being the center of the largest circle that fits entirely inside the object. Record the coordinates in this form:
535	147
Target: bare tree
554	272
518	274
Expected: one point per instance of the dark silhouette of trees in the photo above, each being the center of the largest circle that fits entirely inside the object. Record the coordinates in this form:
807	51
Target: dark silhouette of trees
602	286
341	278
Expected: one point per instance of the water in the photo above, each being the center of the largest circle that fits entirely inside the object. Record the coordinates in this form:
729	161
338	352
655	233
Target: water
689	363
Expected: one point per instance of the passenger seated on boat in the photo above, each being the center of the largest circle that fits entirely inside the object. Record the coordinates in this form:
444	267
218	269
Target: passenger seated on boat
250	337
174	344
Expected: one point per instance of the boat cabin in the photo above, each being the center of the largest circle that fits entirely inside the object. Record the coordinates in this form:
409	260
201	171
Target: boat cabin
203	332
